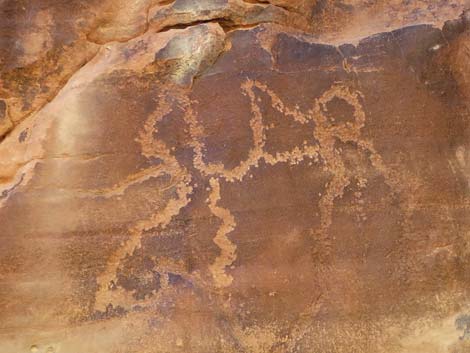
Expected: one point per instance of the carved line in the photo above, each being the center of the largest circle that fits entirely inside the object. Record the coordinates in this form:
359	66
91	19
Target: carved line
150	148
228	249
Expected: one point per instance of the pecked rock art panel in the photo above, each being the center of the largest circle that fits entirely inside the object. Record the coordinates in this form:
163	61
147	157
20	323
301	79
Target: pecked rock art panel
248	190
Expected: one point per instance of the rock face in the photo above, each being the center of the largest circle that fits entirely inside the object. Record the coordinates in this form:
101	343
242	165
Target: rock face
234	176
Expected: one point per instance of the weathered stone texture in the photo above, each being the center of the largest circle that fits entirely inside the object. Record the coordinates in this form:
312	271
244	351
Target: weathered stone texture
234	176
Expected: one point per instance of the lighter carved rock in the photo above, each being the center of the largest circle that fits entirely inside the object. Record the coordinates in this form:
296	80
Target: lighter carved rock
234	176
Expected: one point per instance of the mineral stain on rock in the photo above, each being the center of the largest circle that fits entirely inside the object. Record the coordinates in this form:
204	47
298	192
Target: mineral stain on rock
5	123
234	176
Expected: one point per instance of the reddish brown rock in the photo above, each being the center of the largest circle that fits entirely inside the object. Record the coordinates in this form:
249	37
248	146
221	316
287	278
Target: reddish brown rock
234	176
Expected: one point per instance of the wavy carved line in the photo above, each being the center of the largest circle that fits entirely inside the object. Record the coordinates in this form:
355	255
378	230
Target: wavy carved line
151	147
228	248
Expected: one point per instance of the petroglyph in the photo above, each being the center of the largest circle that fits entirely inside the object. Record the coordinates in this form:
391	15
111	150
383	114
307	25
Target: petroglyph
234	176
325	154
120	188
258	128
151	147
227	248
325	132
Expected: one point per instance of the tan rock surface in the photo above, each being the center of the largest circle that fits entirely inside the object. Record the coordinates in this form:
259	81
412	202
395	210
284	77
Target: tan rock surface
234	176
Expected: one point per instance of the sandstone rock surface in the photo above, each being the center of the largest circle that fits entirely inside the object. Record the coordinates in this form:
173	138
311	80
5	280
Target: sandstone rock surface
234	176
